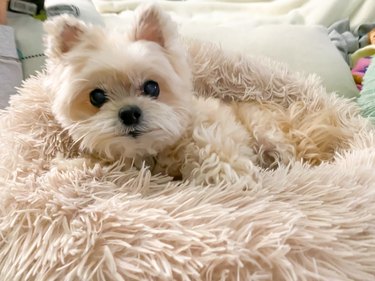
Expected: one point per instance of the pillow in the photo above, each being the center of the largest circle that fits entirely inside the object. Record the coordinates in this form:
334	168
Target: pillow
306	49
29	40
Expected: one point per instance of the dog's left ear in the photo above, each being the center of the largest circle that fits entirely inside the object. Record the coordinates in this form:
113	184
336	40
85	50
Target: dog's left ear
63	34
152	24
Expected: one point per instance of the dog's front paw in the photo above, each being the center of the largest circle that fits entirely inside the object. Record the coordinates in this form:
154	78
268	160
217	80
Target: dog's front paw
215	172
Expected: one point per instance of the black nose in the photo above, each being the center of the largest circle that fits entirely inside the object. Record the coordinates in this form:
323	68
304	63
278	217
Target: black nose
130	115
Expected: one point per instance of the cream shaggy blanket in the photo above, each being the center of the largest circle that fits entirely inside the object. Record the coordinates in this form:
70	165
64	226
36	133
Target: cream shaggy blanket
63	221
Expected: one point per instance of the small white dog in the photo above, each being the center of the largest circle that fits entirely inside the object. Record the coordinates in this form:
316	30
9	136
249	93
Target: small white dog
130	95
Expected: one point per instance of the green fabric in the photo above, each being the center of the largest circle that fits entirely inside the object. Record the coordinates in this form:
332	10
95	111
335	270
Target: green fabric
366	100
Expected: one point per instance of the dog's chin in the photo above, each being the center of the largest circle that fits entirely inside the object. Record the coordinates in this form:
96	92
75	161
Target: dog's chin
113	145
136	144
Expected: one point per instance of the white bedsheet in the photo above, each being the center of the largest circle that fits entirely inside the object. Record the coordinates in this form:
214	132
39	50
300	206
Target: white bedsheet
309	12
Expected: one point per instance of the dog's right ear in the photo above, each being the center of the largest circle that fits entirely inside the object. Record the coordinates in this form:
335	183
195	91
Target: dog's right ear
63	34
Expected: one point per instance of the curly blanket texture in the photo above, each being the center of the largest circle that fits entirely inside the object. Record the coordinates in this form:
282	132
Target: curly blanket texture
60	220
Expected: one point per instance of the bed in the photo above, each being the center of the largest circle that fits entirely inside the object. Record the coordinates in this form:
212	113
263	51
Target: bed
60	222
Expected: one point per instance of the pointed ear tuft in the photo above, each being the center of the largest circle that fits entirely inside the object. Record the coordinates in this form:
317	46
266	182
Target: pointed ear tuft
63	34
152	24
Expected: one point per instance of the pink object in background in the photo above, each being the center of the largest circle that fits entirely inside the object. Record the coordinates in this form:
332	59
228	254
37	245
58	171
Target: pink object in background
359	70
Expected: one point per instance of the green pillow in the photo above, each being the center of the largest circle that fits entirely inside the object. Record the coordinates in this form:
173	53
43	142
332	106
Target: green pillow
366	99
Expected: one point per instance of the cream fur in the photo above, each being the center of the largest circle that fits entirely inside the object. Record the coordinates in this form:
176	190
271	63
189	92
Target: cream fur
69	214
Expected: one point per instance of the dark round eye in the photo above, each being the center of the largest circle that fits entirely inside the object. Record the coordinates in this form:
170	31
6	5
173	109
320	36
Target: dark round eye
151	88
97	97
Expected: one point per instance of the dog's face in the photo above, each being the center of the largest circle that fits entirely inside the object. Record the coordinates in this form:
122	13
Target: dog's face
119	93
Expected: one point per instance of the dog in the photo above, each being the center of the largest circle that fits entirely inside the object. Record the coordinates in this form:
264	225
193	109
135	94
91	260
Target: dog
131	95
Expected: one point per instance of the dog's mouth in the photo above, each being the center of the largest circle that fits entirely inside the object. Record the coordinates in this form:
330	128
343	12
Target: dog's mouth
130	131
134	133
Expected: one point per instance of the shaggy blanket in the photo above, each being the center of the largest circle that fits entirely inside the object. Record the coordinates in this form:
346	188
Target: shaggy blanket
63	221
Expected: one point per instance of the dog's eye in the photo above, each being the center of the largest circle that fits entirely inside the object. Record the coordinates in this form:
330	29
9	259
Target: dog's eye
151	88
97	97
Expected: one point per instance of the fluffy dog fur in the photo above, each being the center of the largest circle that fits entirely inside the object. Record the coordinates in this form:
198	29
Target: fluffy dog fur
201	139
